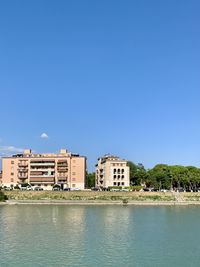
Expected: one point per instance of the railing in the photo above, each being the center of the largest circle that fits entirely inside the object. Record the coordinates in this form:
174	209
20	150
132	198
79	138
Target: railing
43	164
42	180
62	164
23	164
62	178
22	170
22	176
62	168
41	169
42	176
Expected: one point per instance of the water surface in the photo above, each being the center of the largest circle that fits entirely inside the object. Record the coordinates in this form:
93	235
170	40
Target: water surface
58	235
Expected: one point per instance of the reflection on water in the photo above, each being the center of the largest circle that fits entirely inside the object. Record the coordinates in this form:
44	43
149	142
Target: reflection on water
54	235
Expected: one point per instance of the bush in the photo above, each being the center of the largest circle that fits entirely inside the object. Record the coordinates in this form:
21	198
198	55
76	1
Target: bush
125	201
3	197
136	187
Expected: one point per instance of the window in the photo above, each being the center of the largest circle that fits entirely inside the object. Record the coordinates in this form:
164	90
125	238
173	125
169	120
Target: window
73	173
122	183
12	180
114	176
12	173
114	183
73	185
122	170
118	176
73	179
122	176
12	162
114	171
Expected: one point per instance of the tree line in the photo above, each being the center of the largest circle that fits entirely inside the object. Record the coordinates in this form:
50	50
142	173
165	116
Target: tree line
161	176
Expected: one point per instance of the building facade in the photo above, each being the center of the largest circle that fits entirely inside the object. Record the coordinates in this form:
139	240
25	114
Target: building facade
45	170
112	171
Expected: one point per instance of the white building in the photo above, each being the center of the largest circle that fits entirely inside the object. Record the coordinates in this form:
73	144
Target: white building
112	171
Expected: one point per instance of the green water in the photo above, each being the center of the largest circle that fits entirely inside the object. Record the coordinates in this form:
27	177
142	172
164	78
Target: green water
55	235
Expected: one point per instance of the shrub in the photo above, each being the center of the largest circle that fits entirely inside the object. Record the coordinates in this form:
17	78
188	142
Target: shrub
3	197
125	201
136	187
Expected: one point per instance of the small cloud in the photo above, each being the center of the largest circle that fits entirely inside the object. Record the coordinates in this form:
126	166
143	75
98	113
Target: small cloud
44	136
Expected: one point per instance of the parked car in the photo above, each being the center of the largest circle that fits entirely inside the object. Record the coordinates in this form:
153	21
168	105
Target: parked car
56	189
95	189
75	189
125	190
115	189
66	189
180	189
164	190
38	189
7	188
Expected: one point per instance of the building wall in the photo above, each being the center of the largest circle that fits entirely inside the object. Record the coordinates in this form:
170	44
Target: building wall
9	171
45	170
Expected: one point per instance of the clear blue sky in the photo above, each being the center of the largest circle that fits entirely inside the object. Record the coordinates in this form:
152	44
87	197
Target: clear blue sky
98	77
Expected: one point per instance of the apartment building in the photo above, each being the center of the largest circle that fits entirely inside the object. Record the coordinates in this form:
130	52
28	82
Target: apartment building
112	171
45	170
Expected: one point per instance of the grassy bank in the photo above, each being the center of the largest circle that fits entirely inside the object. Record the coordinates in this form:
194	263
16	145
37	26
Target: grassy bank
90	196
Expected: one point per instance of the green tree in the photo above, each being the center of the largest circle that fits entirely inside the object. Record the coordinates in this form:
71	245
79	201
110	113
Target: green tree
138	173
159	177
90	180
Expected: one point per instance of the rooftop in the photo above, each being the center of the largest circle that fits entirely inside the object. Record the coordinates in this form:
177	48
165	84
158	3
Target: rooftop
28	154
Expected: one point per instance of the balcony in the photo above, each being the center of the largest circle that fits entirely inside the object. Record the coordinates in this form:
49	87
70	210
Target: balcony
45	168
49	180
22	164
62	169
36	173
22	176
22	170
62	164
42	175
61	178
43	163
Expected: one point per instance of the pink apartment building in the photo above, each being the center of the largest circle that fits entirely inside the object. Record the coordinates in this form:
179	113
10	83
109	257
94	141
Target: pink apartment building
45	170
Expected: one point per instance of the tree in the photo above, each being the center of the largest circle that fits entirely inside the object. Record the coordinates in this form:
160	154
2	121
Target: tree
90	180
138	173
